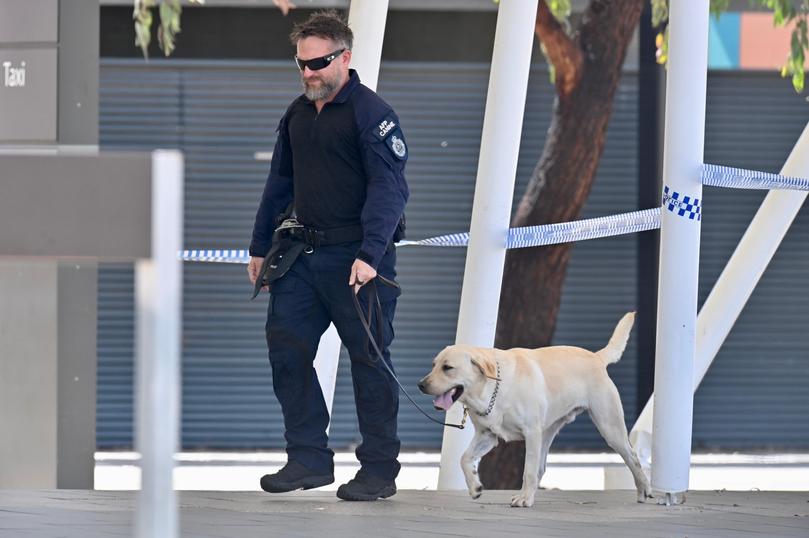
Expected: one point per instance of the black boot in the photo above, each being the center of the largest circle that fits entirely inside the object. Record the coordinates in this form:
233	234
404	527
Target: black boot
366	487
294	476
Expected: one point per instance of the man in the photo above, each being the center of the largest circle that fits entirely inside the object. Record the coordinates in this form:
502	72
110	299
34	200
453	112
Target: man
340	158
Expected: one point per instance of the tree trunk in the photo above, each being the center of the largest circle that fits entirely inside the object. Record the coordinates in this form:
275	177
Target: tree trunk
557	191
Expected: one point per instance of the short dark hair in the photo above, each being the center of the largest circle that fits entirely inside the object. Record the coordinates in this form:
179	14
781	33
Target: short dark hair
326	25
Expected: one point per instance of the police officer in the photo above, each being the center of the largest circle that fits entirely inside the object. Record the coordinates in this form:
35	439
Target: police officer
340	158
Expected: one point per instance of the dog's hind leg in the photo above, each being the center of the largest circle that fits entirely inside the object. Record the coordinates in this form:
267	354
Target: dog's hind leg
608	416
548	435
481	444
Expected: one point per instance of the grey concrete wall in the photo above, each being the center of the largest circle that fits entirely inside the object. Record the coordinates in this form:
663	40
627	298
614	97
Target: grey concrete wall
57	206
28	95
78	72
76	374
48	308
47	374
76	205
28	374
28	70
29	21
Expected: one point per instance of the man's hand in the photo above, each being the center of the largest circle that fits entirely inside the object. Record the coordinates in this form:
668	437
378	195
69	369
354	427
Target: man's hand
253	269
361	273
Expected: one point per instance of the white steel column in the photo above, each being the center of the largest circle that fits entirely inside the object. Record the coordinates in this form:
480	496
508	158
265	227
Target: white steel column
491	213
679	248
158	292
367	21
738	280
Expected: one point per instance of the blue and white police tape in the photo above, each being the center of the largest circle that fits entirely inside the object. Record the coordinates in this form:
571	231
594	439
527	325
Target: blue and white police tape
221	256
528	236
739	178
682	205
450	240
580	230
563	232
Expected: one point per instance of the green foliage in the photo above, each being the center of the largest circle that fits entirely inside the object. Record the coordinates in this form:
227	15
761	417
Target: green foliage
170	12
660	12
784	12
142	14
795	61
718	6
561	10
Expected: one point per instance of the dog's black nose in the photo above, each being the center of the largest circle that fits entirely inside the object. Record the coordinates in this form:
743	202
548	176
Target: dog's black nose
421	386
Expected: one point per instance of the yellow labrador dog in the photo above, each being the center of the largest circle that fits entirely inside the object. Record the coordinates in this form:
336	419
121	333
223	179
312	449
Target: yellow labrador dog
531	394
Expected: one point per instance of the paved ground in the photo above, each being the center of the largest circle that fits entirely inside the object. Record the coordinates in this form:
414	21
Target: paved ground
602	514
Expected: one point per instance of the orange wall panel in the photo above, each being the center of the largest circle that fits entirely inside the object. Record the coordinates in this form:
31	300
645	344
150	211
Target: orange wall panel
762	46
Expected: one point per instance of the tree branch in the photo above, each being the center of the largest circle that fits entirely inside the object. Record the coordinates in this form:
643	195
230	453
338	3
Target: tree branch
563	53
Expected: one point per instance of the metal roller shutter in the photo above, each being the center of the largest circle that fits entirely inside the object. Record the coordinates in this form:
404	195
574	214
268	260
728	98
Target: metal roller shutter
220	114
139	108
755	395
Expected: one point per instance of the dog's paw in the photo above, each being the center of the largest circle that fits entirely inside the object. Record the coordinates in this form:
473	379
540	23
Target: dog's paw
475	488
644	494
522	500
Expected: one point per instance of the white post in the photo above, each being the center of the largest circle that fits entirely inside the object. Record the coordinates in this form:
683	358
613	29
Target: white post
738	280
327	359
491	213
367	20
158	291
679	247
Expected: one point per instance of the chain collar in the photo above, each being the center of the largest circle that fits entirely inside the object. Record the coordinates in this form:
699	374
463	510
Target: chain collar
491	402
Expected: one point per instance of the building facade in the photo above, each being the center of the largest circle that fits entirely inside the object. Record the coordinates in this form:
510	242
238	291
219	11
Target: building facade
219	98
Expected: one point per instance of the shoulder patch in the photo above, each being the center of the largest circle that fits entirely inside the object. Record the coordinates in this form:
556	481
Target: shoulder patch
397	144
385	128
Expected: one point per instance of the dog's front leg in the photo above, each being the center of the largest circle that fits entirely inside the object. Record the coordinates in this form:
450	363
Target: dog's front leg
481	444
533	444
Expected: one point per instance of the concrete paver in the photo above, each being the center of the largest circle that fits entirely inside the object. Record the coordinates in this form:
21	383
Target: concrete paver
83	514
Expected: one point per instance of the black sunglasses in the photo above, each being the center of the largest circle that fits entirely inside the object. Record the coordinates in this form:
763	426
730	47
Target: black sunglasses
316	64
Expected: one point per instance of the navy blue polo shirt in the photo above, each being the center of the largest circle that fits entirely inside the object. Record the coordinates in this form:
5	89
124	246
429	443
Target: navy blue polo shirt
343	167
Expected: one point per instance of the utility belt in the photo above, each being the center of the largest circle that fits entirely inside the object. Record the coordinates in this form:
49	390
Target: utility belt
290	239
293	230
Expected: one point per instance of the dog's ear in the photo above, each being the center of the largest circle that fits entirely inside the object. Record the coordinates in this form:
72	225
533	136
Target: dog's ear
486	365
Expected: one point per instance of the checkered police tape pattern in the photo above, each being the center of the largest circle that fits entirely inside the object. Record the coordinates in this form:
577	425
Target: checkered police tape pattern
222	256
739	178
682	205
567	232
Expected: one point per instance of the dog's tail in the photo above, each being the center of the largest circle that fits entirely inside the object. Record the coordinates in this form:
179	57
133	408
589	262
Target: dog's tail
617	344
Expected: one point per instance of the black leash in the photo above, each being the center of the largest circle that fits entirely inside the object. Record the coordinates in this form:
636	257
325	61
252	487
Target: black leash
366	323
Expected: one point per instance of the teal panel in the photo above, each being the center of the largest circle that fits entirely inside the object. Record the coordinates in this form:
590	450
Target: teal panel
723	41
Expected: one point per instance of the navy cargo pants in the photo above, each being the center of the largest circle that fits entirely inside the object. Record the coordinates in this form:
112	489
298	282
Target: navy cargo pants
303	302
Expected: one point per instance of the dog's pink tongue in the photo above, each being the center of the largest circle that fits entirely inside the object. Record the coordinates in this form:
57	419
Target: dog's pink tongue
444	401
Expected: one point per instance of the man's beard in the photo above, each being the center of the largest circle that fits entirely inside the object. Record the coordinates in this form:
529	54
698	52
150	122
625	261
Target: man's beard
321	92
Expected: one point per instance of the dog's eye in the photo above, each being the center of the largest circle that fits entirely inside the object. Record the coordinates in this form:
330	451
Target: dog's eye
446	367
